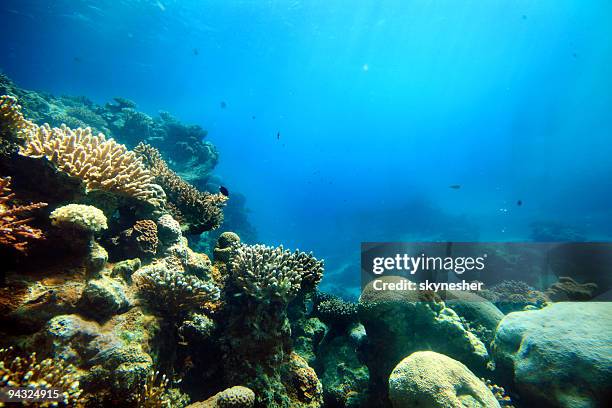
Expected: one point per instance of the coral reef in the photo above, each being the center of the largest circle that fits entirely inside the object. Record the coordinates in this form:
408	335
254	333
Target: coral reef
28	372
14	229
513	295
399	323
201	210
334	311
267	273
173	293
432	380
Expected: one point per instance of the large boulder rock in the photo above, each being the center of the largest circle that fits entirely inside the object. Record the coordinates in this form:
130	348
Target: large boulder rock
426	379
560	355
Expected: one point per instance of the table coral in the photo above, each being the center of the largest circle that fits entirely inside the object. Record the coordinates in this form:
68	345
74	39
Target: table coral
14	228
267	273
202	210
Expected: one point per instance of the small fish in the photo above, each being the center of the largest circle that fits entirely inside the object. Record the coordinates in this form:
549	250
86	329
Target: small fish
524	17
224	191
196	51
455	186
277	135
519	202
76	59
223	105
253	117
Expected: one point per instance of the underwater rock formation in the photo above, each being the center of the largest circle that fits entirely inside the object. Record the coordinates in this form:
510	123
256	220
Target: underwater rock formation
559	355
202	211
399	323
514	295
431	380
567	288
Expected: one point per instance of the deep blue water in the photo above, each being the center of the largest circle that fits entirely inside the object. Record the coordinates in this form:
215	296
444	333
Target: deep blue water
380	107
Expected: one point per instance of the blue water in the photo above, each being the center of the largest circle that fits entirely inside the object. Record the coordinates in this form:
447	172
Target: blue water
379	106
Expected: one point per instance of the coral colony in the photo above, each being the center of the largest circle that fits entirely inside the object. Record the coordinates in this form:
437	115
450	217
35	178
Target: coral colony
124	286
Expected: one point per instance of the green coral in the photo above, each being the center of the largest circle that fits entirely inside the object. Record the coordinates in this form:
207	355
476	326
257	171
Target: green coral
267	273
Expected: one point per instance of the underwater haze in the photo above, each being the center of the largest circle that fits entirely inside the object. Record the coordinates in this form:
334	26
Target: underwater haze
350	121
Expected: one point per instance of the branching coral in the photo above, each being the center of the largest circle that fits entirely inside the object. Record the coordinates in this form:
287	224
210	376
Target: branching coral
156	394
268	273
102	164
11	118
334	311
14	230
174	293
27	372
202	210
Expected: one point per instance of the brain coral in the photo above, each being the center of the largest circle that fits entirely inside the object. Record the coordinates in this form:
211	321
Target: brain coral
236	397
78	216
431	380
267	273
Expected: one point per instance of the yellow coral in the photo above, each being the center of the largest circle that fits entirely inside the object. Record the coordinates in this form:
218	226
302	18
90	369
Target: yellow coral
102	164
79	216
27	371
11	118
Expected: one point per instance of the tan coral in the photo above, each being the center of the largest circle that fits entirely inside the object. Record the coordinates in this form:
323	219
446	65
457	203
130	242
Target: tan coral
203	210
11	118
101	163
145	232
14	228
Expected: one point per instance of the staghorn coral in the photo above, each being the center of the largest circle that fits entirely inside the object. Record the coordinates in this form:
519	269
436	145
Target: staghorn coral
28	372
86	218
102	164
202	210
172	293
267	273
14	231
